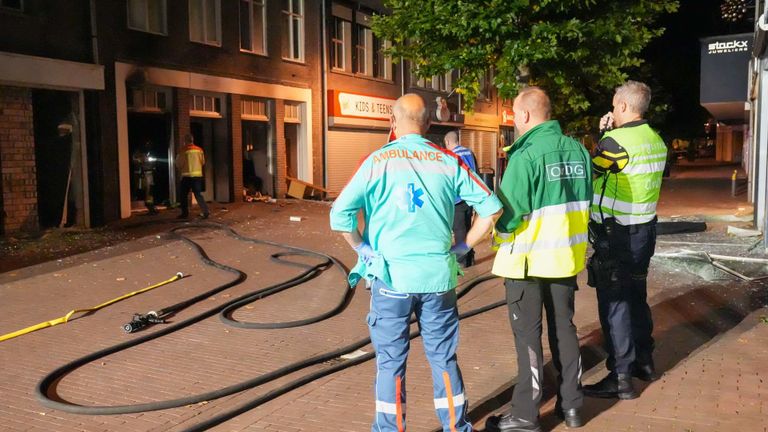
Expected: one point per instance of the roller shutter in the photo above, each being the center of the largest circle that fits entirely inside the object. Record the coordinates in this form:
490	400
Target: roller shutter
345	151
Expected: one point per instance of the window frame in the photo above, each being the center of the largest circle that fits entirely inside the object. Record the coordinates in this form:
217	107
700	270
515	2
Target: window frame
164	9
345	42
217	9
251	5
289	16
363	35
378	58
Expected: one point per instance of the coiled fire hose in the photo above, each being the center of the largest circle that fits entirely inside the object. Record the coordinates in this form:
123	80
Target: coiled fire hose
43	390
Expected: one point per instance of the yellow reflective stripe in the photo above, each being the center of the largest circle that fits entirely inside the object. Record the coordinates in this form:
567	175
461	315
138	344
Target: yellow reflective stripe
602	162
614	155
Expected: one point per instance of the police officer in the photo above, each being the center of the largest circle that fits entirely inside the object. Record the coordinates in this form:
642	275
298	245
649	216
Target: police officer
542	243
629	161
462	216
407	191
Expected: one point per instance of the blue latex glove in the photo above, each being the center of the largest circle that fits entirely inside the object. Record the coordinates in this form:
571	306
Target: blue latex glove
365	252
460	249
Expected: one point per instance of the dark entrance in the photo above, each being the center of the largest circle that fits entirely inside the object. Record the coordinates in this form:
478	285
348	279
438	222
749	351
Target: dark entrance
211	136
149	138
258	168
57	158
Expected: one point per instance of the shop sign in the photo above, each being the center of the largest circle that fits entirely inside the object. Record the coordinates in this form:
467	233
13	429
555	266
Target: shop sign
343	104
507	118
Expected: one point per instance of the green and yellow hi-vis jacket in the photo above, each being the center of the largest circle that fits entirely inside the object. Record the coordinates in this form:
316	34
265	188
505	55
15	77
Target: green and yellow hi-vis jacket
546	192
630	163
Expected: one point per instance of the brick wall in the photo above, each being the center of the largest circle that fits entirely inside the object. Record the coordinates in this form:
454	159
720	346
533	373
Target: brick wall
236	126
281	163
181	103
17	161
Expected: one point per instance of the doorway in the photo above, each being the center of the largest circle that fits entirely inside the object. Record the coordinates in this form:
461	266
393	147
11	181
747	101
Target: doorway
292	149
258	158
149	147
211	135
58	162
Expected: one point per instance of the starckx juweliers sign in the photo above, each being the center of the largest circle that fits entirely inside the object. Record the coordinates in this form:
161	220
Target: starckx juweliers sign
728	47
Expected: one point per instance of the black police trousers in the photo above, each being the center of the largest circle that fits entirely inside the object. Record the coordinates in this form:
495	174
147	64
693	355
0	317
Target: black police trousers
525	299
624	313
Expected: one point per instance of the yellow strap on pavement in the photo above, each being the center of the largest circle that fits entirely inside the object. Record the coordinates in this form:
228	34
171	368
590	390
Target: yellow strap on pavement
66	317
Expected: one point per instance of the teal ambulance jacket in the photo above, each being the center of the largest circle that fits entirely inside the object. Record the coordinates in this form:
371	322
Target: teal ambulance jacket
407	191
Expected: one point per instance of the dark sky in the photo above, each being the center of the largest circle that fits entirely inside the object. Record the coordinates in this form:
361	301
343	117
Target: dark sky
673	60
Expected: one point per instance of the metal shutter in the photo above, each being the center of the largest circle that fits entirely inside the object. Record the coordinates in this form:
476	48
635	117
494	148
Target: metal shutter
346	149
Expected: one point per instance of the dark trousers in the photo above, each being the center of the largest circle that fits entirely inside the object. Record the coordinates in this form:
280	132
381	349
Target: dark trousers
462	222
525	299
624	313
194	184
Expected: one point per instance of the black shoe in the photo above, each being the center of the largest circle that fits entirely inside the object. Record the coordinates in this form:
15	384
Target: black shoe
571	417
182	216
645	372
204	215
612	386
510	423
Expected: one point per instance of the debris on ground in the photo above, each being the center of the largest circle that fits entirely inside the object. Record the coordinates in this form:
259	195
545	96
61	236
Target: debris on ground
742	232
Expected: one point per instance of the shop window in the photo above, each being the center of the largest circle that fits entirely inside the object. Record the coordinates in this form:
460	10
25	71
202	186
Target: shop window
12	4
205	21
147	16
253	26
254	109
205	106
146	100
293	30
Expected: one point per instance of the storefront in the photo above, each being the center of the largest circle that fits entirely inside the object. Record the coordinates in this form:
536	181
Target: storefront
481	135
357	125
234	121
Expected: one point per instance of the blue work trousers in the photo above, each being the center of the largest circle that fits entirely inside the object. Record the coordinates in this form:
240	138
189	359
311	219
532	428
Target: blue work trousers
388	322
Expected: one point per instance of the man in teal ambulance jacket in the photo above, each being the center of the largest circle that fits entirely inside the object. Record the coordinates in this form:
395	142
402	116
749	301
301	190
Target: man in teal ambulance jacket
407	191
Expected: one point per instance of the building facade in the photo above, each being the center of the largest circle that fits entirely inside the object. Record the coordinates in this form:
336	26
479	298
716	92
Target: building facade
93	93
241	77
47	78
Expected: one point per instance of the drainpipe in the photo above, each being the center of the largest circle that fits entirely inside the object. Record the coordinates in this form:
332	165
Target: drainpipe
324	89
94	33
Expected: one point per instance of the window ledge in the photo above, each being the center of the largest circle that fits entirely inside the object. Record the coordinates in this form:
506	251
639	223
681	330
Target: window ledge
254	53
290	60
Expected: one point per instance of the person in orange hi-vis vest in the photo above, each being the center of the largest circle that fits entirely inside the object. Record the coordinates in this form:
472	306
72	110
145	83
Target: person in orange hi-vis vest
190	162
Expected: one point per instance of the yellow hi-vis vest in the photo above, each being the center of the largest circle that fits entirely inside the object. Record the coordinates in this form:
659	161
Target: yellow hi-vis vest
546	191
191	161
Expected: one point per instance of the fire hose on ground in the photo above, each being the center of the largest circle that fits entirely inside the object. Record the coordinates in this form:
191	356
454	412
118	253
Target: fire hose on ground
47	397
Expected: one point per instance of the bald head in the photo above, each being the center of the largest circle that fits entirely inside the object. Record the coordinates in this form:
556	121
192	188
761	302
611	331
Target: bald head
451	140
410	115
531	108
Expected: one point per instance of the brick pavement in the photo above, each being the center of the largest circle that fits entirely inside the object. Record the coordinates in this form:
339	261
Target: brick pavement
210	355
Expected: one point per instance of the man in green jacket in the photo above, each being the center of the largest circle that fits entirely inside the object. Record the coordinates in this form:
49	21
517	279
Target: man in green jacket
542	239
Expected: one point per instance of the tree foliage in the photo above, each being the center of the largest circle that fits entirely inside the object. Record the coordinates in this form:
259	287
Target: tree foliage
579	50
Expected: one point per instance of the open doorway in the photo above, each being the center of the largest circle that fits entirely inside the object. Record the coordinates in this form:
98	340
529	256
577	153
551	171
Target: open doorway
211	135
292	149
258	158
149	149
58	158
